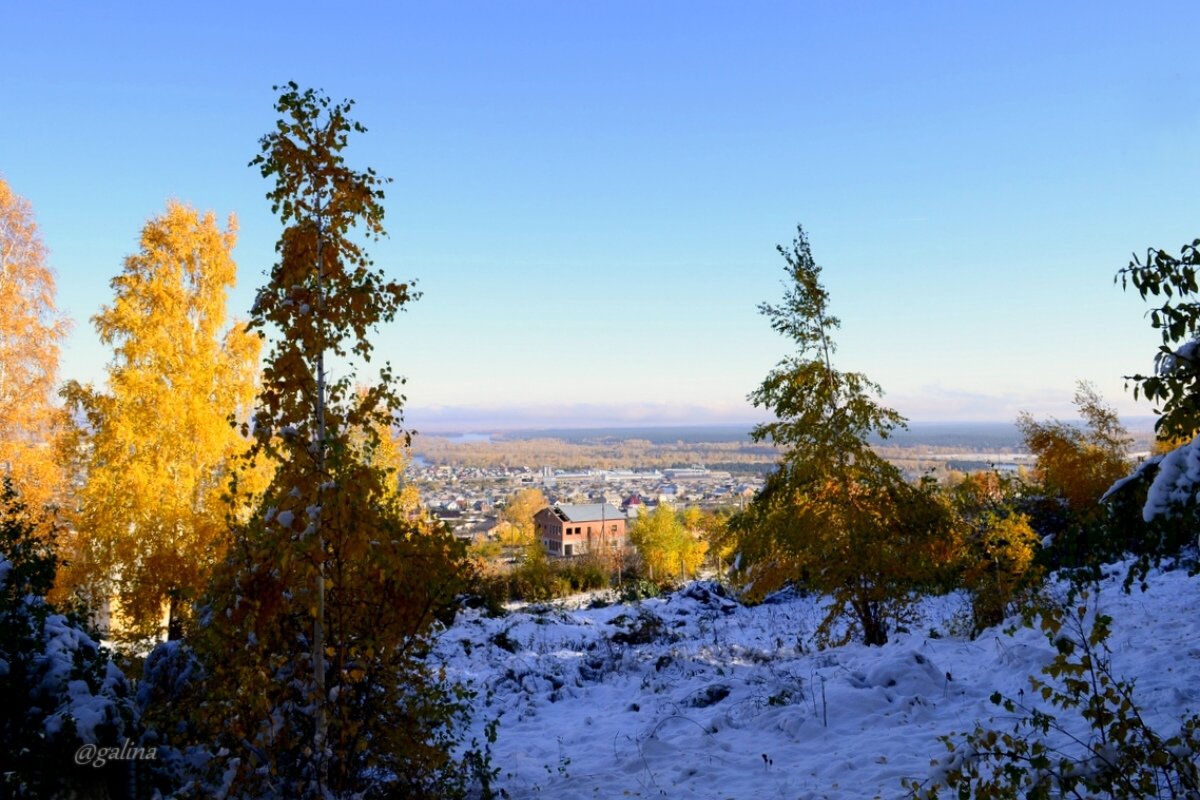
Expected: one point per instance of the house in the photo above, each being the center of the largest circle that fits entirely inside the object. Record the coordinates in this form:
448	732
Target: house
575	530
633	505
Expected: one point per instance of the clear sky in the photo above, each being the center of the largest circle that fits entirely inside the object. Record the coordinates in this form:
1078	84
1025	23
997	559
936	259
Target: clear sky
590	193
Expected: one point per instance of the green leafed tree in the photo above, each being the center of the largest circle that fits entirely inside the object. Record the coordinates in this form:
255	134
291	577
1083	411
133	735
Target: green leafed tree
1174	385
321	618
1164	486
834	515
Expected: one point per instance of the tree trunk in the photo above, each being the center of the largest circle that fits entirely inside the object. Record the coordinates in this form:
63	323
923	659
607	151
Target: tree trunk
174	619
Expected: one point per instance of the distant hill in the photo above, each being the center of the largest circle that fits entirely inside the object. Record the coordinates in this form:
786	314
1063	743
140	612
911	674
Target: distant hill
968	436
688	434
965	435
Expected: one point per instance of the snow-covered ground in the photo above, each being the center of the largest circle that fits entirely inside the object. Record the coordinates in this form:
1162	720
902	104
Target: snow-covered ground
697	696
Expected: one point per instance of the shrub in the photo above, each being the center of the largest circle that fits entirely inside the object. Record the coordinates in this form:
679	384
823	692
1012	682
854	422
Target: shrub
639	589
586	574
1042	756
537	580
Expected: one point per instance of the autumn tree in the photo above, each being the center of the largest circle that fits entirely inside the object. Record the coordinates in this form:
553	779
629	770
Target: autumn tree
388	449
709	526
1076	465
669	549
834	515
517	528
320	618
153	450
998	545
31	330
1079	463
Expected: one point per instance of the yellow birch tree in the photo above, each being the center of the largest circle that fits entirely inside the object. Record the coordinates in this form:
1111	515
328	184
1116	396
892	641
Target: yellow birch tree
30	332
155	449
518	513
668	548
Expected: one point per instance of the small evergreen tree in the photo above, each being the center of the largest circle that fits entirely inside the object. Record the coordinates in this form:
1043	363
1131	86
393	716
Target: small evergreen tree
58	689
834	515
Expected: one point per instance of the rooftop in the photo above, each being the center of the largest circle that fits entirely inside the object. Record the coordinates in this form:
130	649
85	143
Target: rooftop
588	512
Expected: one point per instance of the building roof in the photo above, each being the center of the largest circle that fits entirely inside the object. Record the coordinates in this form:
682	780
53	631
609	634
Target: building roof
588	512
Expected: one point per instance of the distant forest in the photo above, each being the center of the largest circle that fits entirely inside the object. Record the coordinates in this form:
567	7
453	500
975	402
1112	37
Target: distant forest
595	452
922	449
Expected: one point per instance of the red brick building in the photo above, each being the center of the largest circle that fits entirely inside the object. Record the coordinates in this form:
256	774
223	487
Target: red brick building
575	530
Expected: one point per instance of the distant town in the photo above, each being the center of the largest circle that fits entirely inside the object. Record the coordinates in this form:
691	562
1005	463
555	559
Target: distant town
469	498
464	479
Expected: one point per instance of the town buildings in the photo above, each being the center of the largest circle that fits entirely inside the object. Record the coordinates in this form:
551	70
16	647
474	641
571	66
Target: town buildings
575	530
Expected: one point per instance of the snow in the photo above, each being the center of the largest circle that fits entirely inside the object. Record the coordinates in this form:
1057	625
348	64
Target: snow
95	715
1174	481
1175	484
1168	362
697	696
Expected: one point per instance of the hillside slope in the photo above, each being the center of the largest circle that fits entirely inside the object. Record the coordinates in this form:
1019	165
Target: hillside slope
697	696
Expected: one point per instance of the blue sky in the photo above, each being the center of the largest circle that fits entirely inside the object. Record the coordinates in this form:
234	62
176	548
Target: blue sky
589	194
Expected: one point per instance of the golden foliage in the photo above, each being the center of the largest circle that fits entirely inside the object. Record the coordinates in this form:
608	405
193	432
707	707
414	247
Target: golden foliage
668	548
997	546
864	536
997	563
518	513
835	516
323	609
389	451
153	452
31	330
1079	464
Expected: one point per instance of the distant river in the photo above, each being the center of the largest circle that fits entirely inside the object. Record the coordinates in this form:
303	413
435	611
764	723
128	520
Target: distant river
463	438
